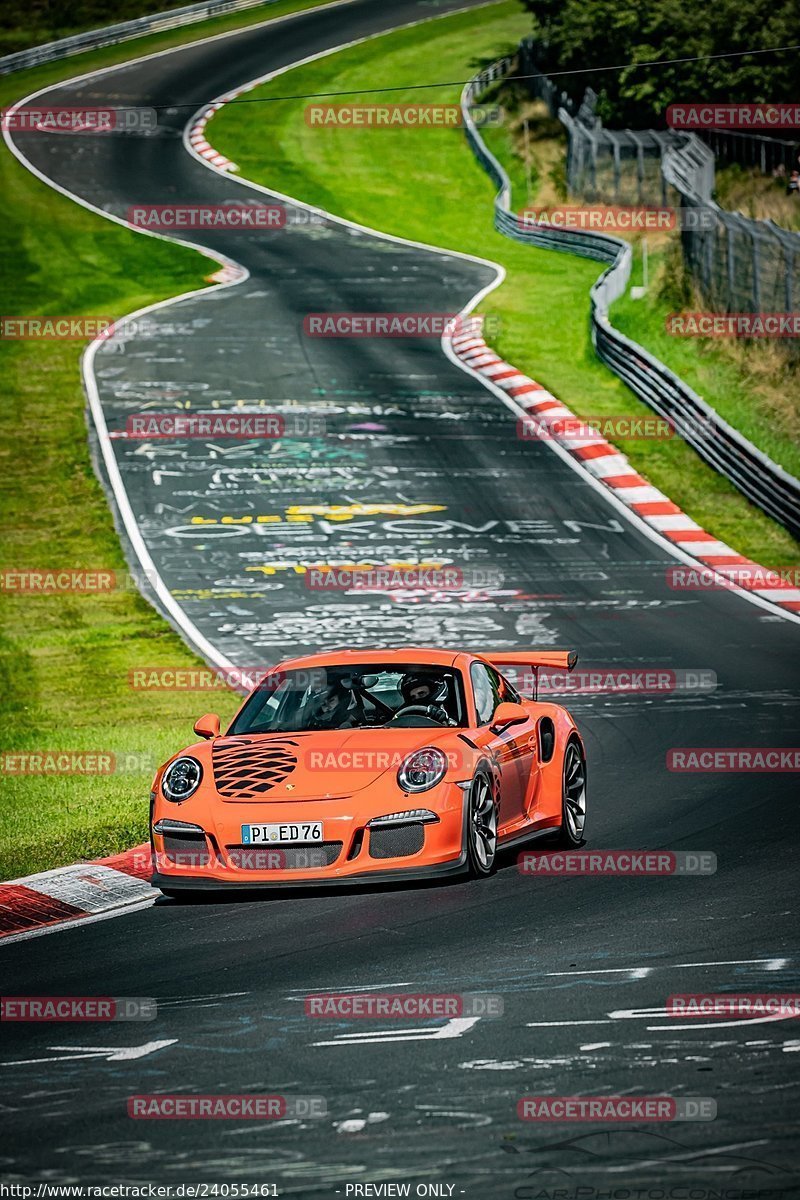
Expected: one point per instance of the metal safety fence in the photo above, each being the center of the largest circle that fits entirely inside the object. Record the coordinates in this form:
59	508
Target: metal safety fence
739	265
110	35
625	165
766	154
760	479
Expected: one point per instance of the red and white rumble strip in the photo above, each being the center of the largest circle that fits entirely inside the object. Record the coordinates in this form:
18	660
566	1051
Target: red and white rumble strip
612	469
230	273
72	893
197	135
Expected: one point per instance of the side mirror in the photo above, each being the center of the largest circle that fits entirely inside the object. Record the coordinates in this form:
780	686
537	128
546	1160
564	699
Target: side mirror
207	726
507	714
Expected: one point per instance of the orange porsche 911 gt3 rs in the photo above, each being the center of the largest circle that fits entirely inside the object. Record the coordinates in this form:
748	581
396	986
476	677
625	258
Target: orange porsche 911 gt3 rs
361	766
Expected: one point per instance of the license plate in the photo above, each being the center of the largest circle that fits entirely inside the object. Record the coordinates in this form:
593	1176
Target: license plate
292	833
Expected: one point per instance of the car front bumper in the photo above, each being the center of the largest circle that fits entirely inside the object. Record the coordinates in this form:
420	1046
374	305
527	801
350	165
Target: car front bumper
208	851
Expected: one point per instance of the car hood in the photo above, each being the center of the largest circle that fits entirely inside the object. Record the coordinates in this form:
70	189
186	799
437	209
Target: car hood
316	765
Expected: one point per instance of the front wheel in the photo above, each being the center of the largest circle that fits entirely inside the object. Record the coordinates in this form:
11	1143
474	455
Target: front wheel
573	795
481	828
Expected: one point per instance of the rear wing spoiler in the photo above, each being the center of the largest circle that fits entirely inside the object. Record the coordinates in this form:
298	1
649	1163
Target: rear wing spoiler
530	662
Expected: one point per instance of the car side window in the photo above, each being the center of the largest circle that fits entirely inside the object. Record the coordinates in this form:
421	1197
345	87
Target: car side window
508	692
486	685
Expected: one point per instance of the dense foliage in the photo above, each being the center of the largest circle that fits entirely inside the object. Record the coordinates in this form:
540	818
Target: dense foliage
577	34
26	23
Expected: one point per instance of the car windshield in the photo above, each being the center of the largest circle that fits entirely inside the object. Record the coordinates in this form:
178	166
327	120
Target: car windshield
354	697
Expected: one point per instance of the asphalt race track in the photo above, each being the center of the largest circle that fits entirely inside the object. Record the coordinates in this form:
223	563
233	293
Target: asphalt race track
585	965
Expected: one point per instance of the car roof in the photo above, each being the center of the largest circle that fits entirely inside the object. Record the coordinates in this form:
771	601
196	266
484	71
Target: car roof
418	655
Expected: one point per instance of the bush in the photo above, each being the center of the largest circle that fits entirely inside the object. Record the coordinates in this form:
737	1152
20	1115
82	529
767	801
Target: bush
577	35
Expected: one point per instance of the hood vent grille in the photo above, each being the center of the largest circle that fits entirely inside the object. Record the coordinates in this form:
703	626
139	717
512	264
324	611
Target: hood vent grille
248	768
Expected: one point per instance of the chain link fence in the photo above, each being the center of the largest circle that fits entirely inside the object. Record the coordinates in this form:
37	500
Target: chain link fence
623	166
738	264
767	154
760	479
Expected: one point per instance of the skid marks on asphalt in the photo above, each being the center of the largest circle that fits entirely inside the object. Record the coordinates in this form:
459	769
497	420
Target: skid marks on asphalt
570	993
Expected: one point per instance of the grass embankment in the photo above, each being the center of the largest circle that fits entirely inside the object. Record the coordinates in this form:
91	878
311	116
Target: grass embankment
426	185
64	660
749	384
763	197
23	26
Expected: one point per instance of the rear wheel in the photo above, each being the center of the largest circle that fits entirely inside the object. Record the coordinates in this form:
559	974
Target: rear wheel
573	795
481	827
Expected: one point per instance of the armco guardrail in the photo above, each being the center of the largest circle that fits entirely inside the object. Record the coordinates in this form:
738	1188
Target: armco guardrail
755	475
93	39
597	246
738	264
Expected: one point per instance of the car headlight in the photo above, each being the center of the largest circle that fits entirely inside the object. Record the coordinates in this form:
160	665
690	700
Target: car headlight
181	779
422	770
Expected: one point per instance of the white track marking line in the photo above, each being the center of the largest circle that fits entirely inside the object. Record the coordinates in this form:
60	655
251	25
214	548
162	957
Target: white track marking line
108	1053
185	625
648	1014
346	989
695	1024
609	496
455	1027
558	1024
771	964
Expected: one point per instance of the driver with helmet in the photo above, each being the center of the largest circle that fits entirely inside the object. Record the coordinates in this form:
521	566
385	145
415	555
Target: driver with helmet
329	709
425	693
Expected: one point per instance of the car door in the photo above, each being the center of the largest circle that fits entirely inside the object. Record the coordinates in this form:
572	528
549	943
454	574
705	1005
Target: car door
513	748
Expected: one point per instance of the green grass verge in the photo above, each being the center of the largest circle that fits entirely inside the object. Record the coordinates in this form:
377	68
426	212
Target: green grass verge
23	25
64	660
427	186
21	83
752	387
763	197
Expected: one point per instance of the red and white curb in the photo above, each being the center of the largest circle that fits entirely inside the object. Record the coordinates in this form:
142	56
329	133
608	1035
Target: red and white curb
197	136
612	469
69	894
229	273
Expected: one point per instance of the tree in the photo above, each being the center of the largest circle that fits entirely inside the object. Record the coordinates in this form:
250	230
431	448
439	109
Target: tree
587	36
